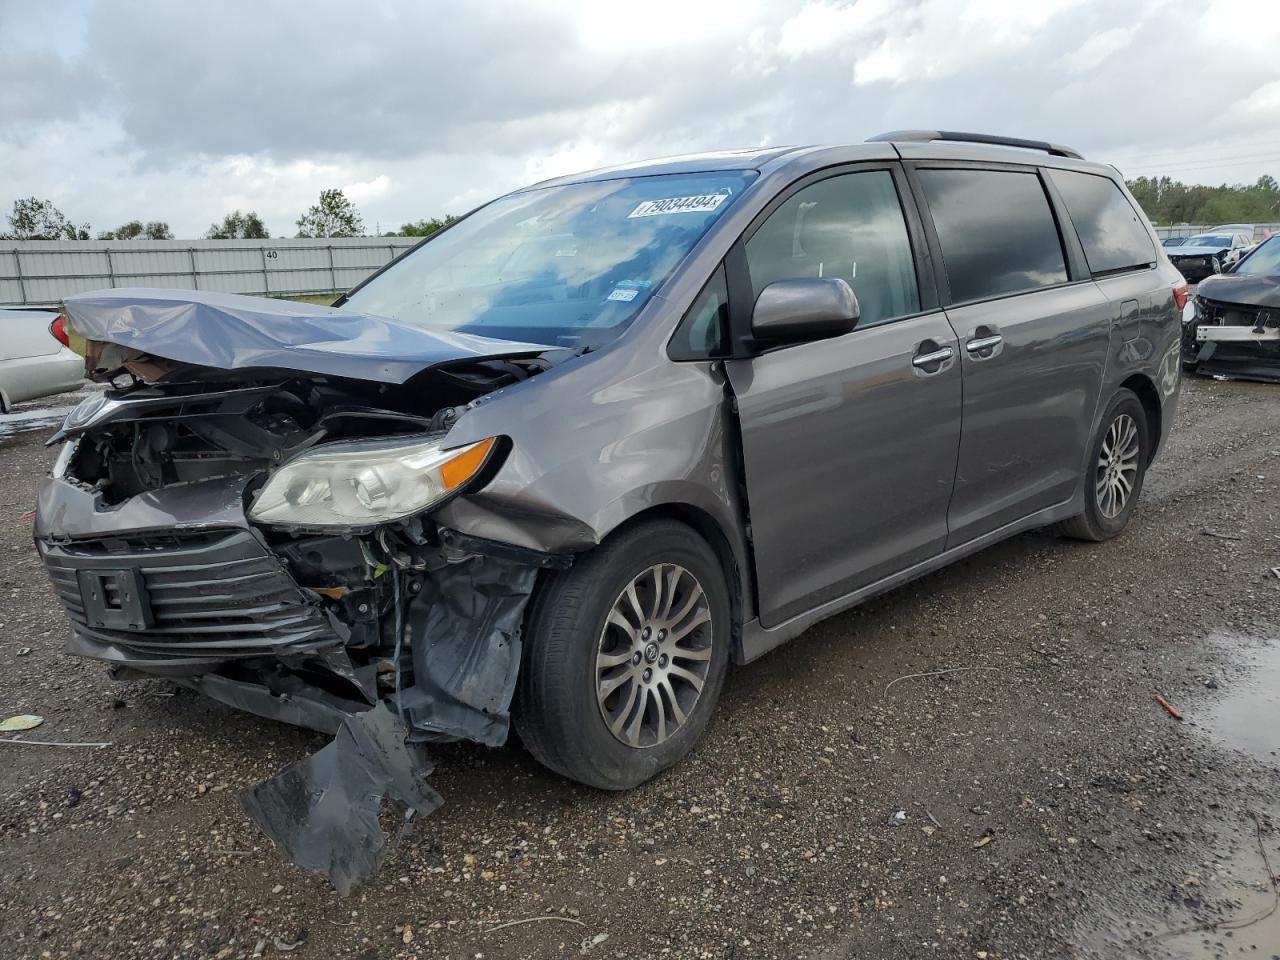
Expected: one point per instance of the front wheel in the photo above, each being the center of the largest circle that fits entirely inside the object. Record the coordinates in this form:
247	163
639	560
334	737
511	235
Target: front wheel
624	657
1117	467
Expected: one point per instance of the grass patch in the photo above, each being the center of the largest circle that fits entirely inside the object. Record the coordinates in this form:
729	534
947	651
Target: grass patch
319	299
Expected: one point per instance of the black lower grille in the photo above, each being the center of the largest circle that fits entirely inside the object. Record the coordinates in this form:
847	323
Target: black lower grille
211	593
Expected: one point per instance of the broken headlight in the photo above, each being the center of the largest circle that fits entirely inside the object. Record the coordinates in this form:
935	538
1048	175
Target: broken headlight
366	482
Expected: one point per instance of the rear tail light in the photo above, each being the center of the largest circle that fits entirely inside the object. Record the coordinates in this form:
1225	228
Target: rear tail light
59	330
1179	297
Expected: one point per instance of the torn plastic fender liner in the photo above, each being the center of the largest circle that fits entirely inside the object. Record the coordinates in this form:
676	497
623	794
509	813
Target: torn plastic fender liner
464	632
323	811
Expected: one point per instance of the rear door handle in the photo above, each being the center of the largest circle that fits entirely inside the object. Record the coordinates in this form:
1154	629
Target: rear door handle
923	360
984	343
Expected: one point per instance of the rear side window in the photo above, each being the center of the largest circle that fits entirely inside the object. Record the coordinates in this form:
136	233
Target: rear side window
849	226
1112	234
997	232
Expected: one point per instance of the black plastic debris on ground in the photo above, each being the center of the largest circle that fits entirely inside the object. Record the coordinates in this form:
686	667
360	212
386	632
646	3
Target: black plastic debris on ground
324	811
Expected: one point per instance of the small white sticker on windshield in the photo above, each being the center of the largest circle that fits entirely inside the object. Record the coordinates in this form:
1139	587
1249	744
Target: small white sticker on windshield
704	203
625	294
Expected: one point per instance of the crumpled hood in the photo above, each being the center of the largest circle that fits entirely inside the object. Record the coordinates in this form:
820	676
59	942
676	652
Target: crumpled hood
231	332
1255	290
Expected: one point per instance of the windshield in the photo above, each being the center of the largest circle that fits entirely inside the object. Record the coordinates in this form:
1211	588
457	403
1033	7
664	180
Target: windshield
1210	240
1175	241
1264	260
569	265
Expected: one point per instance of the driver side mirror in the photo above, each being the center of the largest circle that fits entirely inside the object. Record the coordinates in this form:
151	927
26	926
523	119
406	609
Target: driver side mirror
808	308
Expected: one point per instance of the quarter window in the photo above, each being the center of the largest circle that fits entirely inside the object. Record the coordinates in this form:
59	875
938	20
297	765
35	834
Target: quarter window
1112	233
850	227
702	333
997	232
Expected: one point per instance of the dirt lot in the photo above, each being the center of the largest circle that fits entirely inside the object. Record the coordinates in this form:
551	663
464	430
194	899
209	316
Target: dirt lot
1038	803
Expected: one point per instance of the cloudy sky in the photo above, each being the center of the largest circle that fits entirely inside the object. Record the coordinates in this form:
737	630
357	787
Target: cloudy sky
181	111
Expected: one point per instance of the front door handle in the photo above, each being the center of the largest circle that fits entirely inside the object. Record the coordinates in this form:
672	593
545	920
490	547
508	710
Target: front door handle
925	360
984	343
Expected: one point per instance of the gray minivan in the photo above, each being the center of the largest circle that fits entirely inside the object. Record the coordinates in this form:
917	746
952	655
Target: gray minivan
568	457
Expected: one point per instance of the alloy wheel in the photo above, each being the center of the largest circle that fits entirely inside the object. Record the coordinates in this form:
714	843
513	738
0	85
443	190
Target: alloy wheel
654	655
1117	468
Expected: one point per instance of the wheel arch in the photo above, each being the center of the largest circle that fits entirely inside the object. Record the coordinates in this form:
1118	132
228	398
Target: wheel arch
1145	389
706	526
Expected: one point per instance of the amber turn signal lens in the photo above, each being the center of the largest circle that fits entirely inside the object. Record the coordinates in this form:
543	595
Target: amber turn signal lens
463	467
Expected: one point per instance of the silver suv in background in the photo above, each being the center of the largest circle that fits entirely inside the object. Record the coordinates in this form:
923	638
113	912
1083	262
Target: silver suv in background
569	457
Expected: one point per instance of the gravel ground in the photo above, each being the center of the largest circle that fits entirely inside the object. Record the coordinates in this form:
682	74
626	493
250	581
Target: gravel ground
1037	803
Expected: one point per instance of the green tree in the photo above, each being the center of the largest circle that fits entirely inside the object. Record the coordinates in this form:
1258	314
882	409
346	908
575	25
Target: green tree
238	226
35	219
423	228
1165	200
137	230
333	216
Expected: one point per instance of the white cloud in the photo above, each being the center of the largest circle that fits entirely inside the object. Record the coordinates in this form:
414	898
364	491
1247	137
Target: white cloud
365	190
177	112
820	26
1099	48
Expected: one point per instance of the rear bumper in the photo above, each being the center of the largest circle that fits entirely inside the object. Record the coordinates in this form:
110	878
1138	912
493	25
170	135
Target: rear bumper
28	378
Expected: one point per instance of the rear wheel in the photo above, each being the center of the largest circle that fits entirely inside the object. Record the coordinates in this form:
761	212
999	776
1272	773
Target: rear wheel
625	655
1117	467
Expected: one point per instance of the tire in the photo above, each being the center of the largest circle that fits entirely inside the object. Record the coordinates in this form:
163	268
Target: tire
575	619
1100	519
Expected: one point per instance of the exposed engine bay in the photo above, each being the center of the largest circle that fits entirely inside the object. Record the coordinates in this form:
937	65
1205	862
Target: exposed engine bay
388	634
1236	328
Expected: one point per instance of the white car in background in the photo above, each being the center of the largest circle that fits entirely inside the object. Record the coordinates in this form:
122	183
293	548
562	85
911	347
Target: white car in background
1207	254
36	359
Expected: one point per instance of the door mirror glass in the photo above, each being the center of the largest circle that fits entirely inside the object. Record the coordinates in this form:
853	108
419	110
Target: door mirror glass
807	308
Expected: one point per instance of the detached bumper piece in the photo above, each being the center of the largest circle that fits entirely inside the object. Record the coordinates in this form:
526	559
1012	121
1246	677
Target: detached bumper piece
324	811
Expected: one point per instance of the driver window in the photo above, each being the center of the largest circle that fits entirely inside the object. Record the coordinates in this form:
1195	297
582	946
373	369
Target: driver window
850	226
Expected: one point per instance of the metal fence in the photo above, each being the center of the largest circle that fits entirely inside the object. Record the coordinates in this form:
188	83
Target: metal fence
1260	230
43	272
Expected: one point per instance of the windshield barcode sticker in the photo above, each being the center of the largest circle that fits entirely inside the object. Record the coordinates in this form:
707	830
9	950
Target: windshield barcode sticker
700	204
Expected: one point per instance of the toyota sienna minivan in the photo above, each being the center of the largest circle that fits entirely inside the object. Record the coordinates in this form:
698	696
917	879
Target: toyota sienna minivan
563	461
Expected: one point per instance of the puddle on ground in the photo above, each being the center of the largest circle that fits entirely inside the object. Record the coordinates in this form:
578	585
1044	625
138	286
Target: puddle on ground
1232	894
44	414
1244	712
24	421
1239	897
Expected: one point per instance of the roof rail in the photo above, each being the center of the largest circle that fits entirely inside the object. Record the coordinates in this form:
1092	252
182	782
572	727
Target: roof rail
928	136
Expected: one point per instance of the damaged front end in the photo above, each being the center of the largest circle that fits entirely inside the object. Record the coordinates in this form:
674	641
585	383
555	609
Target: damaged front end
1236	329
263	536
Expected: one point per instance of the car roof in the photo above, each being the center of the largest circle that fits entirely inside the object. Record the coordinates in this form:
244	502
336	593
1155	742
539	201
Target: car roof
768	159
706	162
